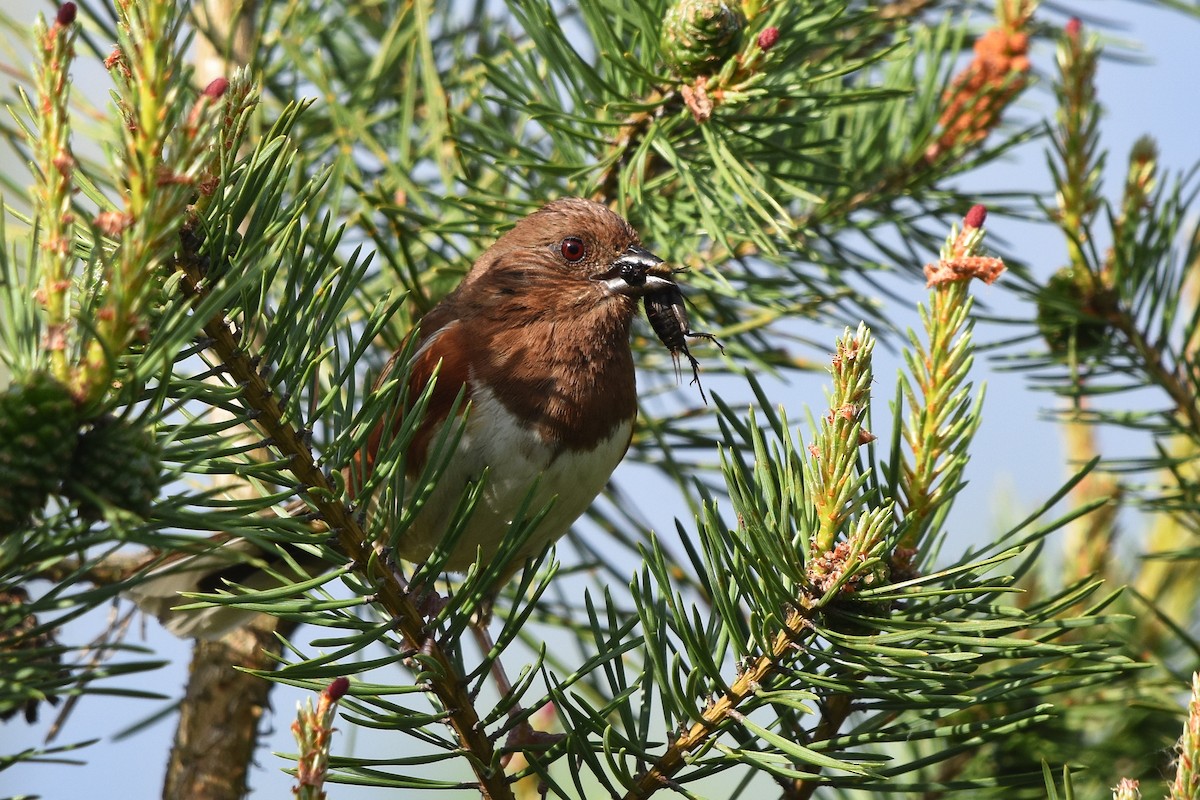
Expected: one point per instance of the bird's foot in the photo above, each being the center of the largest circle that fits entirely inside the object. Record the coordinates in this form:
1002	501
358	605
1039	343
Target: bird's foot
428	602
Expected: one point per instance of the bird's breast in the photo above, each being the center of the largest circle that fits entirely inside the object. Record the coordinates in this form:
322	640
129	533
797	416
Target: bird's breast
524	470
572	377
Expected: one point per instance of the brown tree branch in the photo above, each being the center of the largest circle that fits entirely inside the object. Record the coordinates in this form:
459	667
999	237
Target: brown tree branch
220	714
660	775
222	707
443	678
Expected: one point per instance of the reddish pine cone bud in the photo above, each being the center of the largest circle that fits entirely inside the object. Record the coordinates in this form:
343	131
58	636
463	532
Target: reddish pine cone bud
66	14
768	37
216	88
975	217
337	689
1073	27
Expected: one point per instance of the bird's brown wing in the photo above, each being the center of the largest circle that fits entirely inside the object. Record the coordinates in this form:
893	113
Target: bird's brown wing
444	359
443	352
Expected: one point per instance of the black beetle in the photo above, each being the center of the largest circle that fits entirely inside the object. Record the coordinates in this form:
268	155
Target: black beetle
668	317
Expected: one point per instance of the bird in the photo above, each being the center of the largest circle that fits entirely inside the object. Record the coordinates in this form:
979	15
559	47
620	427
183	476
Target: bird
537	334
535	340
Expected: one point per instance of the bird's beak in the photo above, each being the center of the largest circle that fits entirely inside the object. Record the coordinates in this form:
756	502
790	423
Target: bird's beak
636	272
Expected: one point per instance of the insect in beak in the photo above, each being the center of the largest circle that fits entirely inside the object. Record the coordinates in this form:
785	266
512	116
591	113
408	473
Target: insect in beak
668	317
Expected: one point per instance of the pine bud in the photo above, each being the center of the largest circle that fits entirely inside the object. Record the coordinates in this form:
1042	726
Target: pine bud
975	217
699	35
1070	310
216	88
118	463
37	435
337	689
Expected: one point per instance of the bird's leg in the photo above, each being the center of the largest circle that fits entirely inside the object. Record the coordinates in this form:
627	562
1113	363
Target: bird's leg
423	594
483	637
523	735
429	604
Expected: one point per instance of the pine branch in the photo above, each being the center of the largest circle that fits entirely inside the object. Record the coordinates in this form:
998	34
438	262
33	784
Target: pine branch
717	714
1077	145
1111	319
221	712
442	675
858	566
941	425
53	193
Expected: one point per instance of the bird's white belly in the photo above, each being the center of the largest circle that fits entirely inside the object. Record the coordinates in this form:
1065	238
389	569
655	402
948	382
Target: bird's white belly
519	465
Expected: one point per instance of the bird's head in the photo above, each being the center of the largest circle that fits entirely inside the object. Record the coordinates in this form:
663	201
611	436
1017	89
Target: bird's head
571	253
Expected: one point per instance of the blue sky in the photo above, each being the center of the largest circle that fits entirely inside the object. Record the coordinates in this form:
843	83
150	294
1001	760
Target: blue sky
1017	460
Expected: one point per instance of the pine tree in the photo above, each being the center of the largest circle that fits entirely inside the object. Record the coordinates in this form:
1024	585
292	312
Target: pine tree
212	265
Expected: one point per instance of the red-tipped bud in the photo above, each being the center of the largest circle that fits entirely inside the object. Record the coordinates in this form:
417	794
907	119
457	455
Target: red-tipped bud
1073	27
975	217
216	88
768	37
66	14
337	690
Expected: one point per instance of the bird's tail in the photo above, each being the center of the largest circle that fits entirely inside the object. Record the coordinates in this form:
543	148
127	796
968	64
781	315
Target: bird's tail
224	560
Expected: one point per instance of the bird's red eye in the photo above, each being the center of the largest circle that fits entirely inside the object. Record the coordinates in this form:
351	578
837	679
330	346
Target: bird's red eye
572	248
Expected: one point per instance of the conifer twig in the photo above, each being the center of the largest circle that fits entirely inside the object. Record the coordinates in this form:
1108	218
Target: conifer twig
443	678
1186	785
939	426
55	184
721	711
937	433
166	147
1077	144
313	730
833	570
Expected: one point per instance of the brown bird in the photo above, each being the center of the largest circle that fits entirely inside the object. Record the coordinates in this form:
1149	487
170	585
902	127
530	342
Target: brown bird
536	337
